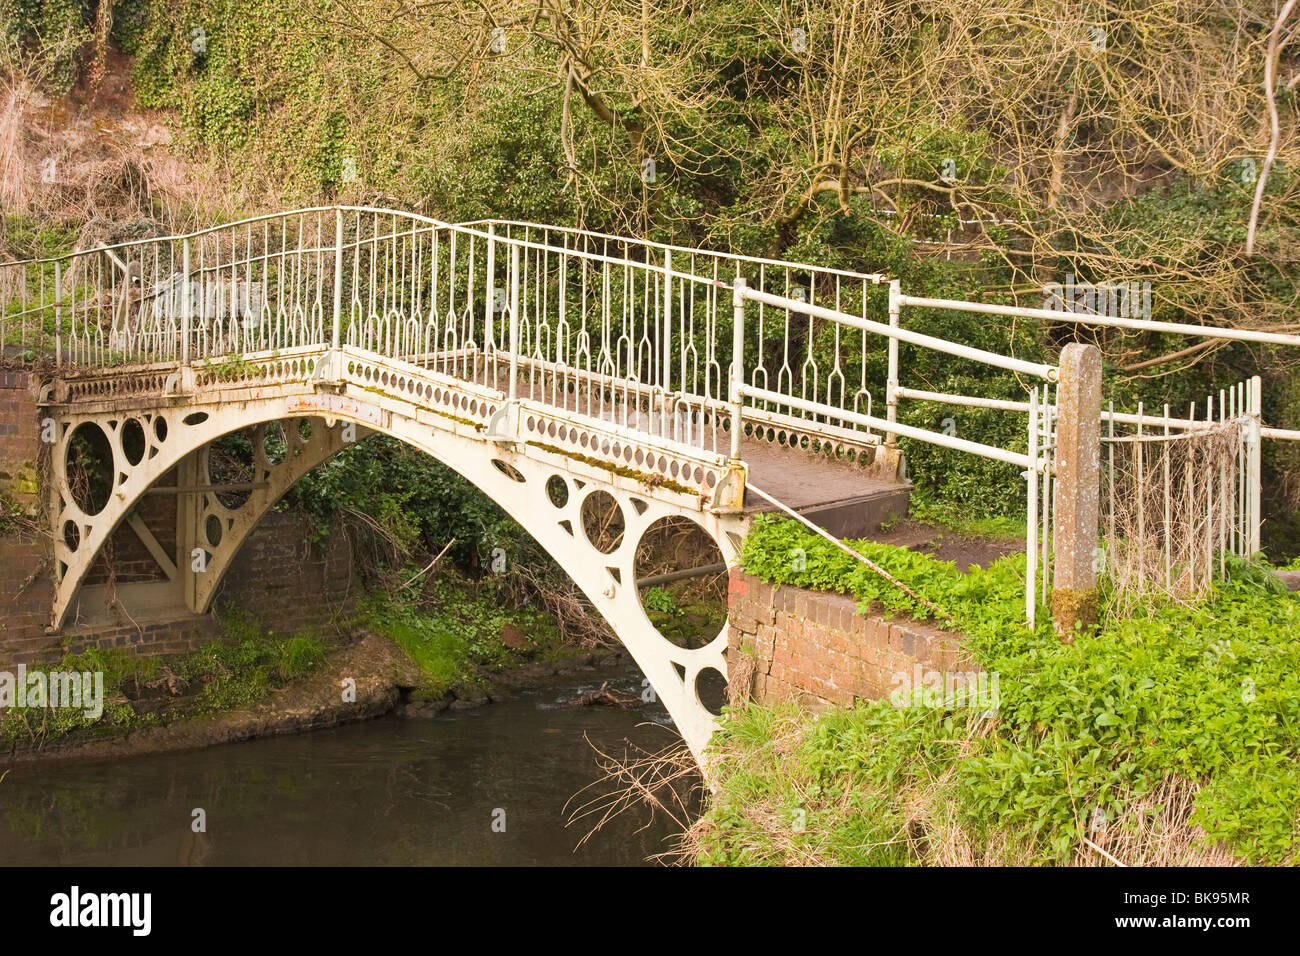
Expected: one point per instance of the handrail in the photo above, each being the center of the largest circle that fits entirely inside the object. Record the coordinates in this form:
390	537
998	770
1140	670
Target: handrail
184	235
874	277
1038	369
1089	318
896	428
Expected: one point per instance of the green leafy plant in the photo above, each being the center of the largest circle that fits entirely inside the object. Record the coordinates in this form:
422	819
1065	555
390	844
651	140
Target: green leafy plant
1197	699
657	599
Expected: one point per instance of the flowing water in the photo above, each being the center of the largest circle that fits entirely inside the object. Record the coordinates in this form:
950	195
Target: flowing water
473	787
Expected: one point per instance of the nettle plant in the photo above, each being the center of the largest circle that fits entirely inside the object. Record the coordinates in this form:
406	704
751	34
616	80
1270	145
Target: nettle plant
1204	698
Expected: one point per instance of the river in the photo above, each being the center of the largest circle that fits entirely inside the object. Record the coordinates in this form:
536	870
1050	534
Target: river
486	786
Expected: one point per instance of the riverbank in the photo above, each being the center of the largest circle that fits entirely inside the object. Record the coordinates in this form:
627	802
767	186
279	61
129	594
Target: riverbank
365	678
457	646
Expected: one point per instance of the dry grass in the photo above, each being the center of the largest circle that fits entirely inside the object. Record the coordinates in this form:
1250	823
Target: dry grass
15	95
93	161
666	781
556	594
1156	829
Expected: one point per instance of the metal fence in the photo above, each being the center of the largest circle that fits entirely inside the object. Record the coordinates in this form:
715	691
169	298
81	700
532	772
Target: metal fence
689	346
1181	494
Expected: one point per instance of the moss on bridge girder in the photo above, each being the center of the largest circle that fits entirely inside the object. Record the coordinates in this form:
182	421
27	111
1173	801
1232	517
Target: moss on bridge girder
478	427
645	478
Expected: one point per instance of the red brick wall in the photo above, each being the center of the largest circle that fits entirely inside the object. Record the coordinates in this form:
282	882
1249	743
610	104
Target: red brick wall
278	575
19	436
817	649
286	580
26	594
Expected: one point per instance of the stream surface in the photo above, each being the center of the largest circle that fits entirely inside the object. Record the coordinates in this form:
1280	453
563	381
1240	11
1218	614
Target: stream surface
403	791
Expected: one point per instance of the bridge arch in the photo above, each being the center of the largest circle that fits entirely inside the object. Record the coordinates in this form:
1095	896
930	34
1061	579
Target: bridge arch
523	479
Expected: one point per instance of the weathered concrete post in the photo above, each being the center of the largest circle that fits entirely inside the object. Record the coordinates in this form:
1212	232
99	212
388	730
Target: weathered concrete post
1078	483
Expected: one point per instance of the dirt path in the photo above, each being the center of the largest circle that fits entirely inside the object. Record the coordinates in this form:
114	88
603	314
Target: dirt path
944	544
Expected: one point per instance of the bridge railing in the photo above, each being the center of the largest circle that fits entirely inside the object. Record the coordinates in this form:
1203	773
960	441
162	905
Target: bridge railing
1225	519
642	332
627	331
225	290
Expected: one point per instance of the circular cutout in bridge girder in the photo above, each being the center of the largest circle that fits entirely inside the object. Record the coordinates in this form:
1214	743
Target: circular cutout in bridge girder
133	440
682	581
275	443
231	462
603	522
557	490
88	467
711	690
510	471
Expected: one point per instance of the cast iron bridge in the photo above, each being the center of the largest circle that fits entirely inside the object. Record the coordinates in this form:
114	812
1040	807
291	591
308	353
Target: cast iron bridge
593	386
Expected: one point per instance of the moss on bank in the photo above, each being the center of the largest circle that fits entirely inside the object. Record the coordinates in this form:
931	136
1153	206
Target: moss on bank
1170	736
457	634
240	669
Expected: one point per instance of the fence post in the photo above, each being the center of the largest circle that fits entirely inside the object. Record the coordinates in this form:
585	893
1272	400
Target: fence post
490	291
666	373
1078	491
891	382
514	322
1253	465
668	322
185	302
737	363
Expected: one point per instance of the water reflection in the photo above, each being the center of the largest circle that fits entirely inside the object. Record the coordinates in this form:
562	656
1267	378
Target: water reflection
390	791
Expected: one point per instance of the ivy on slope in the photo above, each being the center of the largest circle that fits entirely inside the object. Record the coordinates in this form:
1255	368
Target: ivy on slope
1208	694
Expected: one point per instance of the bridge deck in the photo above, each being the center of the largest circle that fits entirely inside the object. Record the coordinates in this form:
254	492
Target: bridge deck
845	499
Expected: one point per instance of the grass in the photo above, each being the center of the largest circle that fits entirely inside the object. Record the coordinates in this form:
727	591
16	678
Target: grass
436	646
956	520
1169	736
457	629
220	676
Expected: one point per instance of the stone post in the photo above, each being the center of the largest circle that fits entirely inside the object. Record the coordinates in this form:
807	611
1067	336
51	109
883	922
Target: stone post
1078	491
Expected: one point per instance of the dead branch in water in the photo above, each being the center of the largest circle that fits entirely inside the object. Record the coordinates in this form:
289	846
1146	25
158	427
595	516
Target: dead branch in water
604	697
667	781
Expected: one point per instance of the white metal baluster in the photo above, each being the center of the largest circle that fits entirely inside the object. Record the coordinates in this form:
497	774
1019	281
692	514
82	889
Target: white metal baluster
1031	520
1166	450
